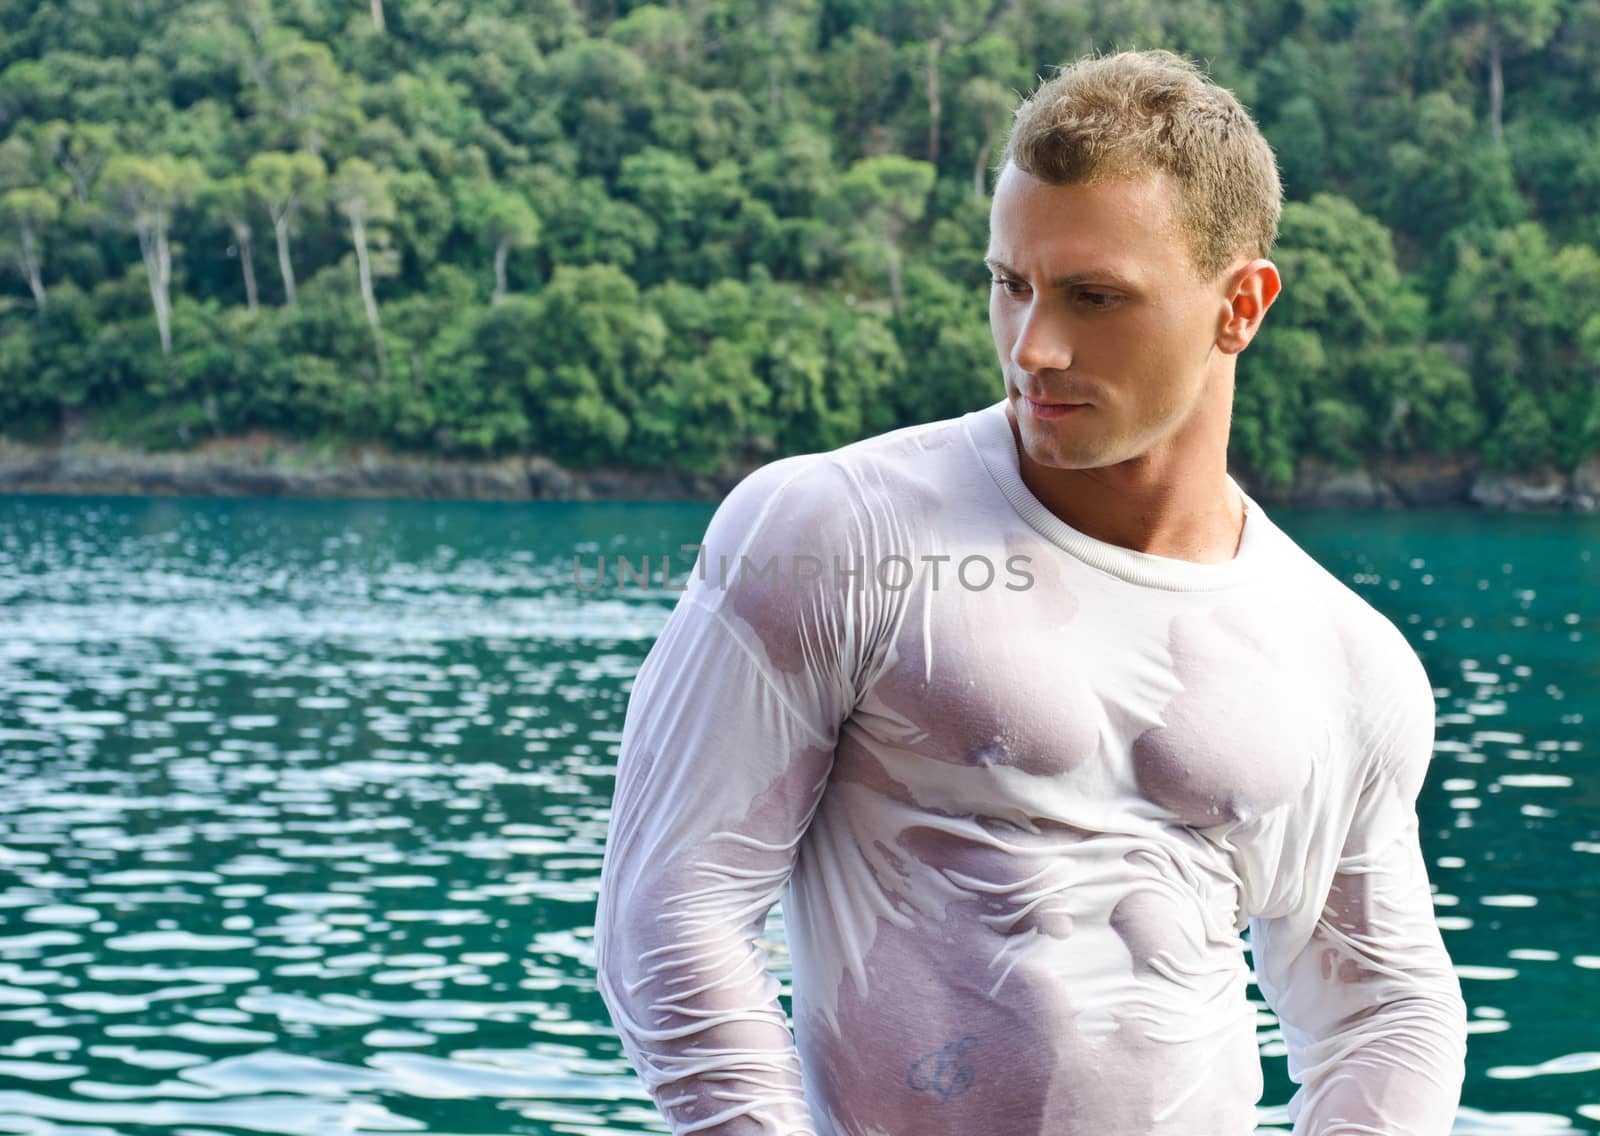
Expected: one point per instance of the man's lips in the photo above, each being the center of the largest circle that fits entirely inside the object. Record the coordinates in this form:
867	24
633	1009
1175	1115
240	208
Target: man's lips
1051	408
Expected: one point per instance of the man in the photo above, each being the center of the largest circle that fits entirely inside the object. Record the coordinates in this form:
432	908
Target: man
1033	712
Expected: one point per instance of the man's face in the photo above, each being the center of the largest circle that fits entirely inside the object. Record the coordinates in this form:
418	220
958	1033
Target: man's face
1097	305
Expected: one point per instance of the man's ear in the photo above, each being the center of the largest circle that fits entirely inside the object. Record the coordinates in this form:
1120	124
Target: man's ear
1251	289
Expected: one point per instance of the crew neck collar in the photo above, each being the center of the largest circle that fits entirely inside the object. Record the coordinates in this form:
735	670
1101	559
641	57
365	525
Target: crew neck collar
990	433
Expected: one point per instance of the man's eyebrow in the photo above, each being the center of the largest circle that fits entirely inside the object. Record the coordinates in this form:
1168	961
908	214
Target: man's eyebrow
1095	276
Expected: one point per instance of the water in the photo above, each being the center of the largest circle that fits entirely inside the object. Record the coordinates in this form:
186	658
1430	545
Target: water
302	807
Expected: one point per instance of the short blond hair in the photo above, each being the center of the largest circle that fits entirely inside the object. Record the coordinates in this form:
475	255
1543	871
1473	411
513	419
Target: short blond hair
1136	112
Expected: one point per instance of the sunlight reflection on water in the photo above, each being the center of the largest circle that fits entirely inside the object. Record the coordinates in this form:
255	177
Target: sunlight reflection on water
302	810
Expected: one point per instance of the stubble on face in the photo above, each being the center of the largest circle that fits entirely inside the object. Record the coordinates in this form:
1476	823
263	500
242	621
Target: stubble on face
1141	364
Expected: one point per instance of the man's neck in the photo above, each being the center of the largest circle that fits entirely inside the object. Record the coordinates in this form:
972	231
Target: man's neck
1196	515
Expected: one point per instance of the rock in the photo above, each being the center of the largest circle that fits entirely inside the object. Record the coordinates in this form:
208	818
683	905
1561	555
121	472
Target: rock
1540	489
549	482
22	466
1321	485
640	485
253	482
262	465
1586	485
1429	480
505	480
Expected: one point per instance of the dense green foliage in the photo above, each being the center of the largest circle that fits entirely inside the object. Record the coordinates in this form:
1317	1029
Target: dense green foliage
728	229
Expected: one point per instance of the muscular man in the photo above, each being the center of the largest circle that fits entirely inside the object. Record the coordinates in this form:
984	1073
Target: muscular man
1030	714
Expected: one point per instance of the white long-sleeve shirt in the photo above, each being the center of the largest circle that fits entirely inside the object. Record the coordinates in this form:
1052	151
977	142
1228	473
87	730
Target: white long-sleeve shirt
1021	791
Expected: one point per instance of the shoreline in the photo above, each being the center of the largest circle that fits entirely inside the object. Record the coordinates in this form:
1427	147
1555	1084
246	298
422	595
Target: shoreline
264	465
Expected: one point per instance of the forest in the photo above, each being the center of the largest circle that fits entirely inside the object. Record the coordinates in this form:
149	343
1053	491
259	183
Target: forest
714	232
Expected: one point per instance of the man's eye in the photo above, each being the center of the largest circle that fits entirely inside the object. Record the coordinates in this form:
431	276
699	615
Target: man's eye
1014	287
1097	299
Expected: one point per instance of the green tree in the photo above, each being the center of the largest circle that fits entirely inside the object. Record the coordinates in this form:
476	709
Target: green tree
28	212
304	88
286	185
944	336
1508	305
1432	406
1442	178
1486	29
1271	393
1344	288
501	219
478	374
660	36
144	194
230	200
81	150
1524	310
596	348
583	224
707	403
732	169
987	104
1523	438
360	191
852	85
877	200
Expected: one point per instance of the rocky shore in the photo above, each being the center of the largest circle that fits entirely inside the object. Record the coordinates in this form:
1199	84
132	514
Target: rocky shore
262	465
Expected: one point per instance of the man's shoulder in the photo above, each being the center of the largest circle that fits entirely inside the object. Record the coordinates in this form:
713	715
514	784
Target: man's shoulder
1309	577
1386	685
896	464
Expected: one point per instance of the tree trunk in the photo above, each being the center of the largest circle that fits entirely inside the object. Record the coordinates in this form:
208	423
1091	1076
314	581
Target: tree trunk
71	424
30	268
164	266
500	269
896	300
774	82
377	15
996	10
1497	82
82	175
158	269
980	169
280	226
254	20
358	233
241	234
934	107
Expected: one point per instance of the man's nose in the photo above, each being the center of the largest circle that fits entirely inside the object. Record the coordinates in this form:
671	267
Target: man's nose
1042	342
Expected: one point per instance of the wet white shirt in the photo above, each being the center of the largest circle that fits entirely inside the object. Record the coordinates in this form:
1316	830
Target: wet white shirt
1021	792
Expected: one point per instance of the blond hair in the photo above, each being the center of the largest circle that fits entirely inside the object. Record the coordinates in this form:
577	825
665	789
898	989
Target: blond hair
1137	112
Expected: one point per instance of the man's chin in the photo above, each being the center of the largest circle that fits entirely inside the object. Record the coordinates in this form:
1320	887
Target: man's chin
1042	449
1054	457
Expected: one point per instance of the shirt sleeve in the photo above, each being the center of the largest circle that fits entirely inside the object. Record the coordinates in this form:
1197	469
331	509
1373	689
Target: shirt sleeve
727	745
1369	1004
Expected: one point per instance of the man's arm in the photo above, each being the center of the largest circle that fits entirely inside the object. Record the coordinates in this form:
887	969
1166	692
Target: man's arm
1370	1006
726	748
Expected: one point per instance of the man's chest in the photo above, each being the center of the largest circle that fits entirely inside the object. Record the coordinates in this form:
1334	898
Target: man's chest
1187	708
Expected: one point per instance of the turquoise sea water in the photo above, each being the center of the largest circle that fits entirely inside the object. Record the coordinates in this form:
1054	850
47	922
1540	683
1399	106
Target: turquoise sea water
302	805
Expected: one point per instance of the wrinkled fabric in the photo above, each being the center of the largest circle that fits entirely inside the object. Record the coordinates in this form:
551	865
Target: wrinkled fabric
1021	827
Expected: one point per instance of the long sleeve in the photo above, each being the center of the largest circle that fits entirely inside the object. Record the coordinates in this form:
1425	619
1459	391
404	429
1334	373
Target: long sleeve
727	745
1370	1007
